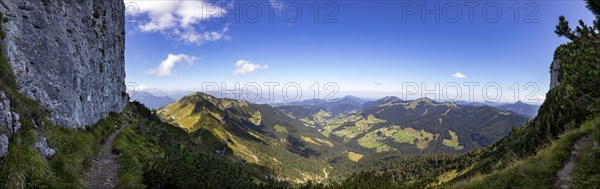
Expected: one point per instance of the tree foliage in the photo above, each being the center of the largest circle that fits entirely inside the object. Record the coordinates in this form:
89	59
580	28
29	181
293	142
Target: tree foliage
582	31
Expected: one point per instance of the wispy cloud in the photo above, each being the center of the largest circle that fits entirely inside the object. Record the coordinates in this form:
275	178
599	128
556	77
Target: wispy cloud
181	19
244	67
378	82
459	75
276	4
166	66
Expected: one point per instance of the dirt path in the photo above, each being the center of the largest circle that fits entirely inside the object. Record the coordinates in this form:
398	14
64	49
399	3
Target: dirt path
564	174
103	171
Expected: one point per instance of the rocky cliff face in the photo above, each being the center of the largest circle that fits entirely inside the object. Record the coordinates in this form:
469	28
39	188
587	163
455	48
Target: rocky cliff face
554	67
9	123
68	55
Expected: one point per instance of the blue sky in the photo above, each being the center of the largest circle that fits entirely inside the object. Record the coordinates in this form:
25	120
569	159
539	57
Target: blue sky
368	48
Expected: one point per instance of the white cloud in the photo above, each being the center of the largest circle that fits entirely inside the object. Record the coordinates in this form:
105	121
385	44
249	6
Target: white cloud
378	82
191	36
278	6
142	87
459	75
243	67
166	66
180	19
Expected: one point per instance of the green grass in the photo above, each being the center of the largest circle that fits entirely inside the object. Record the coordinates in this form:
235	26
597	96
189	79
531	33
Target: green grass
155	154
355	157
134	150
366	123
75	148
403	137
376	139
538	171
280	129
453	142
587	170
326	142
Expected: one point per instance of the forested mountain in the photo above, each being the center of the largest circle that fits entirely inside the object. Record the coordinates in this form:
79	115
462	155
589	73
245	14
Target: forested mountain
529	110
288	137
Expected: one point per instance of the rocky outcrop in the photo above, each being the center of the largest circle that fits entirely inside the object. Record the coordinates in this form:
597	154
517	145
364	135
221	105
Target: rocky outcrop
68	55
9	123
9	120
42	145
554	67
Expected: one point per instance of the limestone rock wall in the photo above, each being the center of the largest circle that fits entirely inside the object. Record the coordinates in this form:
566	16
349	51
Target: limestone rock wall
68	55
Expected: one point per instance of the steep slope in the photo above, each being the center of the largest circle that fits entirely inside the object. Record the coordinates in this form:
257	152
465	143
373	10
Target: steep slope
574	99
68	56
529	110
154	154
58	73
257	134
546	169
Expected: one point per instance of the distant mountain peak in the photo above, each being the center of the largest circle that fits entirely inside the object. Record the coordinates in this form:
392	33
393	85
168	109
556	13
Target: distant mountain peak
426	100
349	97
523	108
390	98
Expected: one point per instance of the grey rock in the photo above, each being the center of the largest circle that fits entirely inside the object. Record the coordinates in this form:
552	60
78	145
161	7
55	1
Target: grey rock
554	68
42	146
9	123
68	55
5	114
3	145
16	124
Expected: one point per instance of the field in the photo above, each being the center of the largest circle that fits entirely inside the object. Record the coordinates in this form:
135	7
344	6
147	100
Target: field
280	129
376	139
359	127
355	157
453	142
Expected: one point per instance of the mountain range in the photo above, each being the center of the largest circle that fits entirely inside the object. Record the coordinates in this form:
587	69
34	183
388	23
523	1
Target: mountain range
348	128
529	110
151	101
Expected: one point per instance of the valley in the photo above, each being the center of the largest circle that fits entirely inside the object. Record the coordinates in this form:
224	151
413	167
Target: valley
287	137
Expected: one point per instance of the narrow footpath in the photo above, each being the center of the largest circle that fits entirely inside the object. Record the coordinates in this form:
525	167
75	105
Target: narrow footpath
103	171
564	174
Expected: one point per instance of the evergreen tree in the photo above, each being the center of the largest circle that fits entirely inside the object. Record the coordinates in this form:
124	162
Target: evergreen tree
581	32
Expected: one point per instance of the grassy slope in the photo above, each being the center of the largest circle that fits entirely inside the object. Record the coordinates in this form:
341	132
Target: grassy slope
156	154
557	125
75	148
587	170
537	171
290	150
